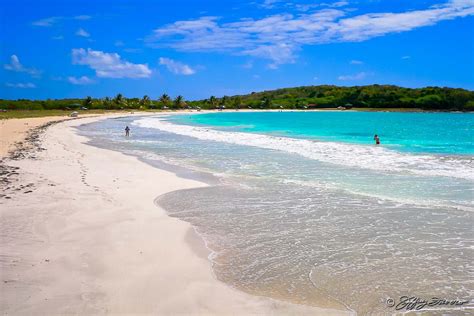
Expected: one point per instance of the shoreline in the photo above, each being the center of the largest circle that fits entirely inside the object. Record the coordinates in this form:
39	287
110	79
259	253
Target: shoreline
36	114
86	237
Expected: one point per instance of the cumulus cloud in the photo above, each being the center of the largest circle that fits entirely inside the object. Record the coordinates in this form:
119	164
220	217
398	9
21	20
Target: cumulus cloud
83	33
84	80
16	66
358	76
279	37
109	65
27	85
177	67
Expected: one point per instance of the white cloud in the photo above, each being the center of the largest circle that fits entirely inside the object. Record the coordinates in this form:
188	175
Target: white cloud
58	38
109	65
15	65
306	7
356	62
84	80
27	85
406	57
82	17
83	33
279	37
177	67
337	4
269	4
358	76
48	22
279	54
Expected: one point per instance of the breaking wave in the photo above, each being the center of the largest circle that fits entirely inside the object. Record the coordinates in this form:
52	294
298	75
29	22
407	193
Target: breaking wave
350	155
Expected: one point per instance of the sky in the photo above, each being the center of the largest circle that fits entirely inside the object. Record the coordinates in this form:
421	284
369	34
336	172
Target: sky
73	49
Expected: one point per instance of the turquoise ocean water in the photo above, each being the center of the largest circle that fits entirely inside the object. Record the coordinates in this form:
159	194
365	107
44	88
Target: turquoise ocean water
445	133
304	207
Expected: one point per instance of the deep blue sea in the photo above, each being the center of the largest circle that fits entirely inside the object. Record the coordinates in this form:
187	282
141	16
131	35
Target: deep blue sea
304	207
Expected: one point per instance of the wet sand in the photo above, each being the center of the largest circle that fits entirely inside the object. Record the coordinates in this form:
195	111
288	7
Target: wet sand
81	235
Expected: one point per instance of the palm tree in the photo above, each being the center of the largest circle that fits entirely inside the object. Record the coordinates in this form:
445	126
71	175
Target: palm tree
118	100
179	101
106	102
213	101
145	100
87	102
165	99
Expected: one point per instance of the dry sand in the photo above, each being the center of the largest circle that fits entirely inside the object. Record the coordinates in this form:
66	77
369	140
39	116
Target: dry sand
14	130
81	235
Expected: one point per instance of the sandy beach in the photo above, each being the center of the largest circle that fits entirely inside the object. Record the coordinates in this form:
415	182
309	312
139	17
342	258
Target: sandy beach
81	235
14	130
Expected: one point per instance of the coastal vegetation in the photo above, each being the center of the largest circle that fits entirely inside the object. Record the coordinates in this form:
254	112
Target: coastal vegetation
326	96
43	113
307	97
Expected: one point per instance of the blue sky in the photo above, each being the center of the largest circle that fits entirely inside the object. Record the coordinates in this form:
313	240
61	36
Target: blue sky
65	49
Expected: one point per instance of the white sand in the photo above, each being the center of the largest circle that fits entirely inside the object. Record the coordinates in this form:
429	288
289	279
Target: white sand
14	130
89	240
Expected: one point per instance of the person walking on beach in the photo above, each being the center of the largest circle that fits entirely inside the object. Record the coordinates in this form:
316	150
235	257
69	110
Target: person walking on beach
377	139
127	131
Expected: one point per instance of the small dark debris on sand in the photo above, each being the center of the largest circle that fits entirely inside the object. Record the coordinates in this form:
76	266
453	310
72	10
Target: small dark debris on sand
26	149
32	143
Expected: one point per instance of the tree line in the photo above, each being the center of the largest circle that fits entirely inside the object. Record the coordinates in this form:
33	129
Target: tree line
119	102
328	96
324	96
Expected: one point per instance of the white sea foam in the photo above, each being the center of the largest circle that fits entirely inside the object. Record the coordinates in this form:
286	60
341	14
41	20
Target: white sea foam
350	155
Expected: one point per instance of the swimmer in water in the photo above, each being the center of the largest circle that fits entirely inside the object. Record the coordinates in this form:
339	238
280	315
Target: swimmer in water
377	139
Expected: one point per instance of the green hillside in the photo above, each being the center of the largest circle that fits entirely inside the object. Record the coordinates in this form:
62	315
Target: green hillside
313	97
373	96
